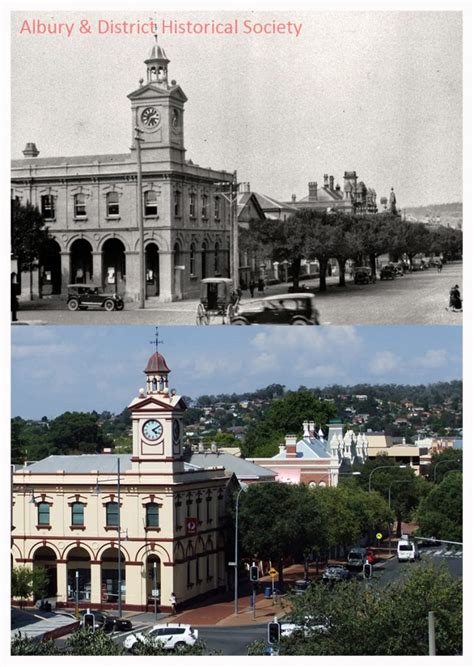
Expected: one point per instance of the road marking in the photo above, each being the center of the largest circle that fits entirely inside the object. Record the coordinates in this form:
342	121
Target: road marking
438	553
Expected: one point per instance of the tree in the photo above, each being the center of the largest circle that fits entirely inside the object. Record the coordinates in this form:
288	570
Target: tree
442	462
285	416
440	512
39	582
77	433
21	583
23	645
369	621
86	641
29	236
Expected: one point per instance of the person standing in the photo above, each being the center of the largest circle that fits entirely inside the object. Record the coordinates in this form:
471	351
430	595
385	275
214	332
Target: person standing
14	296
173	603
261	286
252	288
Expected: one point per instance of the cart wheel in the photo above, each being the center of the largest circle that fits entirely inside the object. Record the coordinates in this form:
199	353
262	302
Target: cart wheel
73	304
202	316
119	305
230	314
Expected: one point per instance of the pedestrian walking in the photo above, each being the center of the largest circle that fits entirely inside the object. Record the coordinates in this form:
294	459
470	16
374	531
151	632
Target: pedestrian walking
455	302
251	288
14	296
261	286
173	603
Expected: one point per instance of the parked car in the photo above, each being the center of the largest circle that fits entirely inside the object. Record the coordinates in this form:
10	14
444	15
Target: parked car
356	558
387	272
363	275
407	550
336	573
107	622
81	296
288	626
301	586
171	636
299	308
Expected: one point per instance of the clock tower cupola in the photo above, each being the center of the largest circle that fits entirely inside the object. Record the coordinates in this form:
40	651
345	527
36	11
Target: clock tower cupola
157	428
158	113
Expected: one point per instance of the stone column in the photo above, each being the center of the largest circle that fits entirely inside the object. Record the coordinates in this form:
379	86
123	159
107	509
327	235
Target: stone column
97	276
134	581
61	575
96	585
166	277
65	271
132	288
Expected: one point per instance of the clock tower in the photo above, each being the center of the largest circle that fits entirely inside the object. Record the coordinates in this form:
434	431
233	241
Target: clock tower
157	112
157	428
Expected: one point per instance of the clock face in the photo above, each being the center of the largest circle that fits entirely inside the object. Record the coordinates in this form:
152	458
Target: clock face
152	429
176	431
150	117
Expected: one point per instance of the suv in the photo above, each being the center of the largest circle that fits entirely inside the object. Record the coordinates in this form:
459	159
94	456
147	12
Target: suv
356	558
81	296
363	275
171	636
336	573
299	308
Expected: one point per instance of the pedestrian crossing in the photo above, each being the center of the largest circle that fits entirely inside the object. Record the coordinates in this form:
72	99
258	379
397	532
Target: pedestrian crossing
442	553
137	627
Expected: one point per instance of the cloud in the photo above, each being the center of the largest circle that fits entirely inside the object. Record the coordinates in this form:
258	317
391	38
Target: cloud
383	362
432	359
43	352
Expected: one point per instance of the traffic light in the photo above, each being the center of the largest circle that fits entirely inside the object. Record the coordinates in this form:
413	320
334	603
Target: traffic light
367	570
253	573
89	621
273	632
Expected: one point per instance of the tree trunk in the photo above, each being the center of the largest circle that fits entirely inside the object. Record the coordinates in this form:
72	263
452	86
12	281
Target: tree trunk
342	272
323	265
373	266
295	272
281	580
399	525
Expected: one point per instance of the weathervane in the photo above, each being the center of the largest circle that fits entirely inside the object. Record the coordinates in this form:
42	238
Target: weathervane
156	342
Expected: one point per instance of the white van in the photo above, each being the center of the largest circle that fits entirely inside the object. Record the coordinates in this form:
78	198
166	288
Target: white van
407	550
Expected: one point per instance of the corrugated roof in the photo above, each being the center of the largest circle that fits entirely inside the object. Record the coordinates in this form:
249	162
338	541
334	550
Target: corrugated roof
309	448
241	467
82	463
73	160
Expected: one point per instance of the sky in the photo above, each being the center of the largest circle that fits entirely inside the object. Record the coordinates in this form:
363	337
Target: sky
58	369
379	92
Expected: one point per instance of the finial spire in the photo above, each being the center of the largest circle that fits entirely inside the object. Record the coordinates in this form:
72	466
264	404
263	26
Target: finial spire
156	342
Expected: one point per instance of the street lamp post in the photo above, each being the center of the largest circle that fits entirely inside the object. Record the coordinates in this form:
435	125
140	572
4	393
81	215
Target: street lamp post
77	593
154	588
141	240
236	552
380	468
397	481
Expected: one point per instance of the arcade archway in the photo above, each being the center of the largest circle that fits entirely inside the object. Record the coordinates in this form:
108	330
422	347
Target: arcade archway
46	558
81	262
113	263
152	264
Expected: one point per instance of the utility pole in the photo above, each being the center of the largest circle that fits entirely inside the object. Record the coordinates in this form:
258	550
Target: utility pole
141	241
431	633
234	232
119	542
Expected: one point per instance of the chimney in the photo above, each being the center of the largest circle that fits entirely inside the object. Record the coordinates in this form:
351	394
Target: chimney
331	182
293	198
326	180
338	187
306	432
30	150
311	429
290	446
313	190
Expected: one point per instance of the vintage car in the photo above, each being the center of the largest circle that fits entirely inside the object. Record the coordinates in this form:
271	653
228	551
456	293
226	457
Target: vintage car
81	296
363	275
388	272
295	309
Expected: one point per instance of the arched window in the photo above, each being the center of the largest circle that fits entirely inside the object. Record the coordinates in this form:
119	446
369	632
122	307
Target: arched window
192	259
216	208
204	260
112	203
152	515
77	514
79	206
216	258
111	514
43	514
151	203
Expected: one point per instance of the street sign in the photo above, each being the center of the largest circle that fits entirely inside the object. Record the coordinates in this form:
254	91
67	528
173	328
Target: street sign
379	536
272	572
155	593
191	526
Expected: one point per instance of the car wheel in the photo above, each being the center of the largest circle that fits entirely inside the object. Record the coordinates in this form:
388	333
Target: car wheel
73	304
119	305
239	321
180	645
299	321
109	305
229	314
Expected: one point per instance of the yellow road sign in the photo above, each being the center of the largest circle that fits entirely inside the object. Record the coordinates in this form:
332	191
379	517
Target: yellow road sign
379	536
272	572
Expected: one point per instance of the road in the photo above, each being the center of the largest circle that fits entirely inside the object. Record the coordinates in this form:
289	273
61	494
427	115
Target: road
417	298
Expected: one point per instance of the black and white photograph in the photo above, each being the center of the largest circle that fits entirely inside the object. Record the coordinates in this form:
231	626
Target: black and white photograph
177	485
237	167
